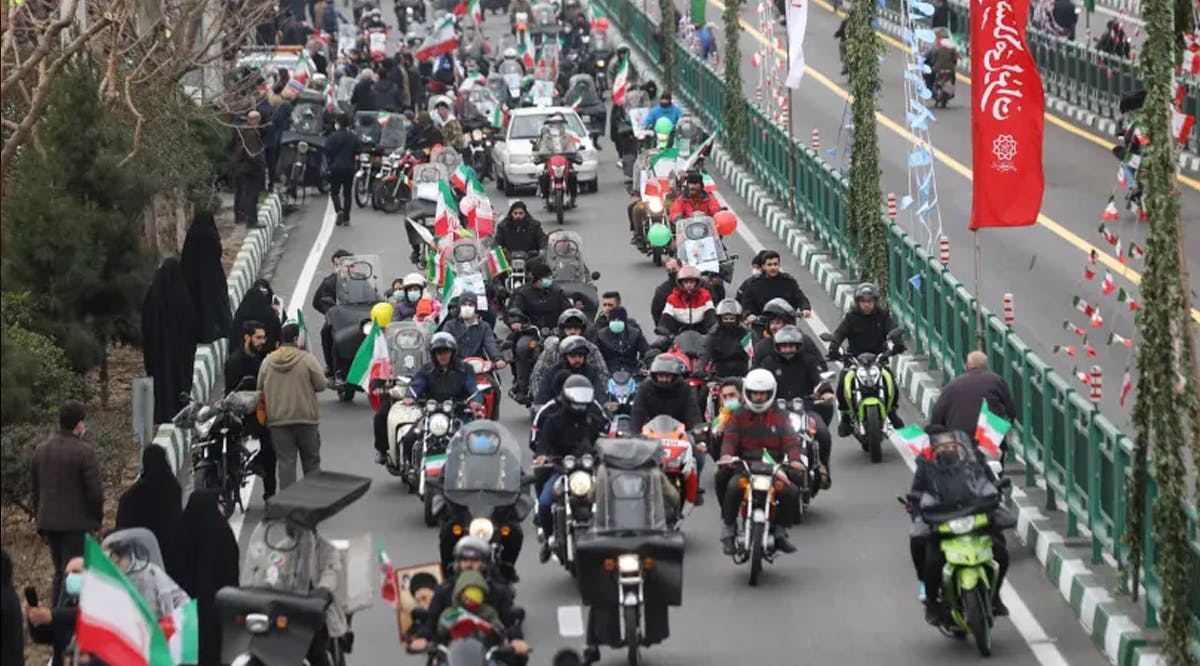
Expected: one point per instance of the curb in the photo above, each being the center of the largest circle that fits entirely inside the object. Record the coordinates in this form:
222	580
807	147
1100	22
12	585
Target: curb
211	357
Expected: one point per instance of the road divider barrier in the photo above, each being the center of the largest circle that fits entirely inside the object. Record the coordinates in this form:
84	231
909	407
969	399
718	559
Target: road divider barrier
1068	449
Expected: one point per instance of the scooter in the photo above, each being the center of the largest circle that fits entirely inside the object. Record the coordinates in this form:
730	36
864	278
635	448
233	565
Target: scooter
943	87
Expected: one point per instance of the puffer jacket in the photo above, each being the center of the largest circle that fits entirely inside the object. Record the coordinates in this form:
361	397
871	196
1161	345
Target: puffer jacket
684	311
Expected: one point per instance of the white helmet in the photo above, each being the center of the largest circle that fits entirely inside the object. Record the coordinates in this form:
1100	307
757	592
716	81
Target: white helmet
759	381
414	280
509	53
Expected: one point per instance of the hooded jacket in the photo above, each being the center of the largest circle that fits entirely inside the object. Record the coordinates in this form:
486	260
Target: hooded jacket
474	339
525	235
865	333
795	377
624	350
290	379
541	306
684	311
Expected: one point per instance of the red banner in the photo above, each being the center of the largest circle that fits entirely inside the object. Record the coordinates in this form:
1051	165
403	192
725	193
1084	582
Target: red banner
1007	108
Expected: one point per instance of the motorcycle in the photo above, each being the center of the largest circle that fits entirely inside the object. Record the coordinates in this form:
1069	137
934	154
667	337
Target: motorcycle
487	384
943	87
357	291
219	455
754	541
870	391
409	12
678	454
515	279
572	511
559	170
479	151
799	412
471	651
388	192
438	424
622	388
367	162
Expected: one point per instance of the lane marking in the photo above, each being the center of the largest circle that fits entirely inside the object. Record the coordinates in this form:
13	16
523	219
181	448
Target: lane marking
1119	269
295	303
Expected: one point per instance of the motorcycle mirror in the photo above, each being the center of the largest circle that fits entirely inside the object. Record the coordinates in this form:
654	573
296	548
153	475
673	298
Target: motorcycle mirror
896	333
595	275
827	337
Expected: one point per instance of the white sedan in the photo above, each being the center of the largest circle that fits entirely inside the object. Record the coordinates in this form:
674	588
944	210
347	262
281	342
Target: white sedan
512	158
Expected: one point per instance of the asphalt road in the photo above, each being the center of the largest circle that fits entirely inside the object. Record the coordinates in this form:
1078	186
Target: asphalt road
1042	266
848	596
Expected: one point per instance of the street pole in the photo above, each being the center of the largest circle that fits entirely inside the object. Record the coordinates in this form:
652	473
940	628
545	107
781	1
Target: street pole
979	330
787	46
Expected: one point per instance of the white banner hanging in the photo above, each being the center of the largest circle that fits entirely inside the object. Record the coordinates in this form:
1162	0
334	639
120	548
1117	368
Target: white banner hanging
797	23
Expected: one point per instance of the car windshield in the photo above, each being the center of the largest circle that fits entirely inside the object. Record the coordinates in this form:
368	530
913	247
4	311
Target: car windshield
529	126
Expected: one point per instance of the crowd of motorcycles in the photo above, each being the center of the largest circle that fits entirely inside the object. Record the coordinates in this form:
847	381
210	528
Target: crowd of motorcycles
613	530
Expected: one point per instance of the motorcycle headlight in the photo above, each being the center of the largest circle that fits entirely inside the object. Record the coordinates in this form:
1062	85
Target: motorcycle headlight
586	461
448	406
599	63
439	425
568	463
760	482
302	147
580	483
482	528
476	135
656	205
869	376
559	171
964	525
431	406
628	563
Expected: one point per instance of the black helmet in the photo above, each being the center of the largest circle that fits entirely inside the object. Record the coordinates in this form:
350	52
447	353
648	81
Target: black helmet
865	291
572	317
577	393
537	269
779	308
573	344
518	204
442	341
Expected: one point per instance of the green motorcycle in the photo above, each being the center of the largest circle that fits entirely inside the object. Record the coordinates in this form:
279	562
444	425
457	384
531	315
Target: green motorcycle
870	389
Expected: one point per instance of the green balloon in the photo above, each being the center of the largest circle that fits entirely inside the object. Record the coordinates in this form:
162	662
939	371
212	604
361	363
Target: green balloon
663	126
659	235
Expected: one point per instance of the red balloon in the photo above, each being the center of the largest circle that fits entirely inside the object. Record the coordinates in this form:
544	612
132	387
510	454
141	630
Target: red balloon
726	222
600	24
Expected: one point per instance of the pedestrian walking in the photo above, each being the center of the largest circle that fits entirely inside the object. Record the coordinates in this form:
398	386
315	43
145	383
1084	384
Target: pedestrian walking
155	500
204	558
290	378
67	491
961	400
341	152
249	167
204	275
245	361
169	339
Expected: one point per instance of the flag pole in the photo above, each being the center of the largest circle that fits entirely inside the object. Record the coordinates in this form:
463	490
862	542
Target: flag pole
787	49
979	330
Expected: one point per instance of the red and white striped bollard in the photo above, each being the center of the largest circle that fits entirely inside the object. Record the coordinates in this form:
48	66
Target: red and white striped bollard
1009	314
944	250
815	141
1097	383
891	201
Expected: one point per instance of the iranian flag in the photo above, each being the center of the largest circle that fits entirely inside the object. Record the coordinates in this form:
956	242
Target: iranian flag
497	262
445	221
388	571
462	175
915	439
447	283
1181	125
371	360
650	188
701	149
461	623
437	266
497	117
525	49
710	185
664	154
748	344
620	84
114	623
475	11
182	631
440	41
435	463
990	430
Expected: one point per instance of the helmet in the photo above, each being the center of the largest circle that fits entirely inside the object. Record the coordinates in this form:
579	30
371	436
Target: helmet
777	307
556	118
509	53
573	344
687	272
442	341
577	392
414	280
471	548
759	380
788	335
666	364
467	297
622	49
572	317
950	457
729	307
866	290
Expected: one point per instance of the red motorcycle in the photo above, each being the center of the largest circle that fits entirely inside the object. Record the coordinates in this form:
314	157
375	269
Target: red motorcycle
678	459
486	384
559	172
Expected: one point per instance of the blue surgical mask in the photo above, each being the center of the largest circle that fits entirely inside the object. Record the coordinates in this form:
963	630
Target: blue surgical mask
546	282
617	327
398	294
73	584
414	295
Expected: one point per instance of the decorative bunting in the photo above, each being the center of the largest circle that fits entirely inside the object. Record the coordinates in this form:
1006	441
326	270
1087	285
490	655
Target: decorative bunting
1110	211
1136	251
1124	297
1083	306
1088	273
1069	350
1074	329
1115	338
1107	286
1126	387
1107	235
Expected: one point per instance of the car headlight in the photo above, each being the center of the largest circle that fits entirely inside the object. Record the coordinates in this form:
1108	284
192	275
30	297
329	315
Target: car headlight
760	482
439	425
482	528
580	483
964	525
568	463
869	376
476	134
628	563
656	205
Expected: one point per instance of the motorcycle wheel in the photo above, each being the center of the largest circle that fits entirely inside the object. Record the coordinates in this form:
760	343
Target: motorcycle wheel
756	552
975	608
657	256
230	497
633	635
430	517
558	206
873	437
362	191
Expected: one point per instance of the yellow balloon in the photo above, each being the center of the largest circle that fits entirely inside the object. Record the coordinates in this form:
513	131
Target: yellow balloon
382	313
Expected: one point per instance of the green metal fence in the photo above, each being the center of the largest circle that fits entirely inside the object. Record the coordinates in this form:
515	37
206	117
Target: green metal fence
1072	71
1064	440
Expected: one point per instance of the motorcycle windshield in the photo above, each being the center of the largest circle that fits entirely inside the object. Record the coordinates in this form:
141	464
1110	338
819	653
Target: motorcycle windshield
629	501
308	117
582	92
663	426
483	467
690	343
280	556
357	281
509	69
699	244
367	127
601	43
407	346
393	131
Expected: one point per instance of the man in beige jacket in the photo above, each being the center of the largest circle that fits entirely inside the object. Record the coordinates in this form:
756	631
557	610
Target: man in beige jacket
290	379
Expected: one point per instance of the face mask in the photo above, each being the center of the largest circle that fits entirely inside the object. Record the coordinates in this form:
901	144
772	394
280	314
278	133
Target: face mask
616	326
546	282
73	583
579	407
467	311
756	271
732	405
398	294
414	295
665	105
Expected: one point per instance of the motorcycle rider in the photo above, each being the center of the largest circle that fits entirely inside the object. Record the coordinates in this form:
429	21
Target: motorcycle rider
574	353
665	392
690	306
757	427
756	263
540	302
452	130
510	55
471	554
406	298
570	428
519	7
520	232
324	299
946	472
621	342
942	57
694	199
773	283
665	109
555	139
422	135
726	347
571	323
475	337
865	327
443	378
798	375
